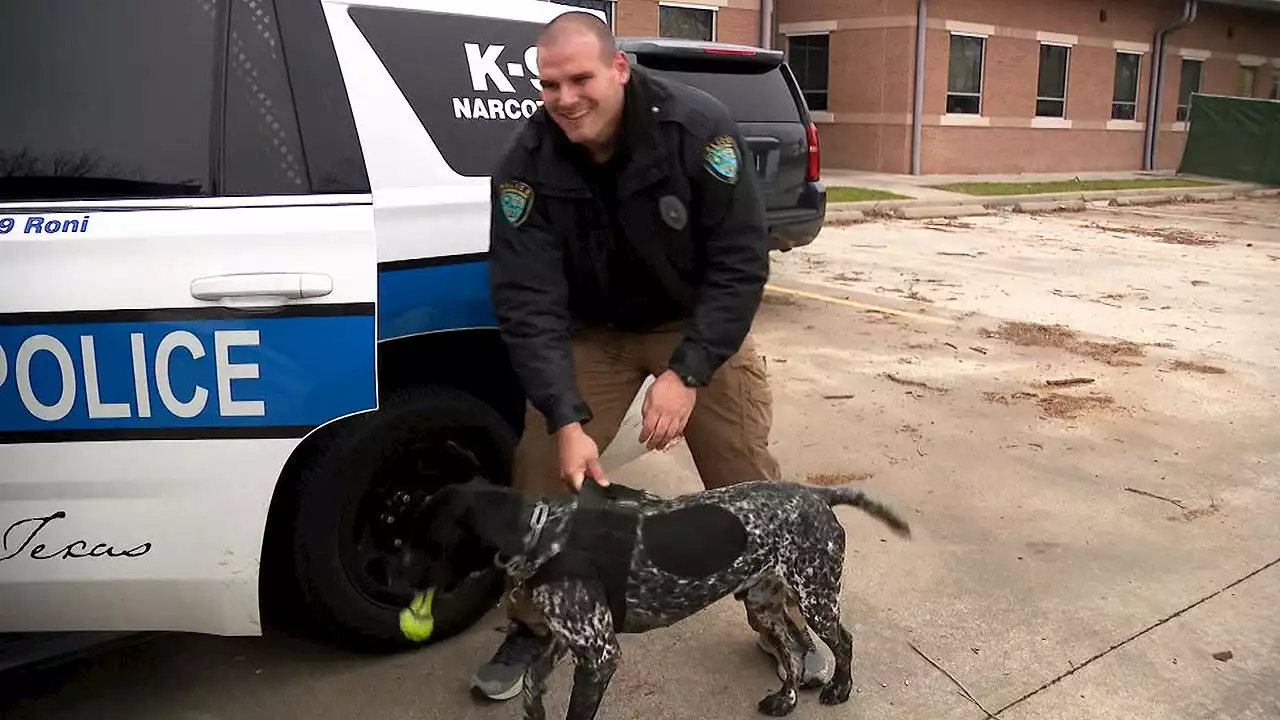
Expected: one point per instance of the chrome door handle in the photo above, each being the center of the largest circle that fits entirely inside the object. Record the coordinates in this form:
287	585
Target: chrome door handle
253	286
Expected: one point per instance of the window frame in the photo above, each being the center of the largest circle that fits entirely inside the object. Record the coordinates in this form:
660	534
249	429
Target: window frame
1066	80
709	9
1183	112
1250	72
805	91
1137	85
982	73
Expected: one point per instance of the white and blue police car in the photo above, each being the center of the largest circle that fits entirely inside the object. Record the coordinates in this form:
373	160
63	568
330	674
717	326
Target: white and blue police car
244	319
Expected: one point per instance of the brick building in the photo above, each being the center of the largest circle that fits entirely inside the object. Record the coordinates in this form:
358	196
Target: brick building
1008	85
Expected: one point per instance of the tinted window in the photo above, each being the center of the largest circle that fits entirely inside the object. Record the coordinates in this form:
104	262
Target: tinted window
261	148
106	99
808	56
469	79
334	159
753	93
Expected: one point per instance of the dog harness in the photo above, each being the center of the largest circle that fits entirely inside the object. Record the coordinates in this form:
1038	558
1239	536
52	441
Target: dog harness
599	546
692	542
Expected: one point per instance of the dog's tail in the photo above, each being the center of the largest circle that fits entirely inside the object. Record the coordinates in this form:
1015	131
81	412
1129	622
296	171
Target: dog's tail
850	495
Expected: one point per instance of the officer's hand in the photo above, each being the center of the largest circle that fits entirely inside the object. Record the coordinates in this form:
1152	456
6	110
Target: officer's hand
579	457
666	410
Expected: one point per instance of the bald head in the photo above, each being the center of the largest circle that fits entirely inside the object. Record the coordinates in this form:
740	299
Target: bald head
578	26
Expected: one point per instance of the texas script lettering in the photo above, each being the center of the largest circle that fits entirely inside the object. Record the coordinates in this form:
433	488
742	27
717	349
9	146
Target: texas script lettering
74	551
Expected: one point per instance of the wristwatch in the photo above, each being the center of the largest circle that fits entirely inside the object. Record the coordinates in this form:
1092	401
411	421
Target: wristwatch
689	380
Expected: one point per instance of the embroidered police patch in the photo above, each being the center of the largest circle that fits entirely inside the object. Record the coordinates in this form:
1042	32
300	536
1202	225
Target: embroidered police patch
516	199
721	158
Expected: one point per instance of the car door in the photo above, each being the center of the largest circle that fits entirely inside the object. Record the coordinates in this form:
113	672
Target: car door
187	288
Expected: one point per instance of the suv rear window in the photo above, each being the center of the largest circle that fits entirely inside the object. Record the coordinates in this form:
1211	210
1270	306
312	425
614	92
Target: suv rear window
752	92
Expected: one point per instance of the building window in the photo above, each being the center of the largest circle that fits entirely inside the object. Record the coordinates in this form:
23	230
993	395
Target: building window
1189	83
1248	80
808	56
964	74
604	6
691	22
1051	87
1124	95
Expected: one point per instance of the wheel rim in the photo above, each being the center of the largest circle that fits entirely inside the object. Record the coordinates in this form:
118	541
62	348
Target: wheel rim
406	475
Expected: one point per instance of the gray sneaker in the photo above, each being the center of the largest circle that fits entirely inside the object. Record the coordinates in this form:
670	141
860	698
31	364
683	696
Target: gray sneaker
502	678
817	668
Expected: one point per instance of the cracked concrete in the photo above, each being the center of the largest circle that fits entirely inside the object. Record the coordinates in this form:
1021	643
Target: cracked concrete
1031	553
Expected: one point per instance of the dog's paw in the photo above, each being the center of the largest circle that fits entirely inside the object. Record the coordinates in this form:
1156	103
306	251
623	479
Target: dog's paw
779	704
835	693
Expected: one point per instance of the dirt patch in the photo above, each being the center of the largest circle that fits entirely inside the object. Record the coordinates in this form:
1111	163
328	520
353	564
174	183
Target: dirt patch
1195	367
1169	236
1028	334
914	383
1061	406
1000	398
911	294
852	276
1194	514
834	479
961	224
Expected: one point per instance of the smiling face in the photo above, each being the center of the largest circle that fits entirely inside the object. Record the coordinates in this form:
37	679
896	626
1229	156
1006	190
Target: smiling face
582	87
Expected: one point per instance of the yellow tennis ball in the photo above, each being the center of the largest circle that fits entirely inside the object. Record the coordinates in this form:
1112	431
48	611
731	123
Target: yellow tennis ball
416	622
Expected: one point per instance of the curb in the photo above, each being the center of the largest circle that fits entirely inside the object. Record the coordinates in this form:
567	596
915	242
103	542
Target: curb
845	213
844	217
1039	206
922	212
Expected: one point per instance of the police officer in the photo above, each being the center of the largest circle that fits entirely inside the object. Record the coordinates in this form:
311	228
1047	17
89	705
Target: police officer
627	240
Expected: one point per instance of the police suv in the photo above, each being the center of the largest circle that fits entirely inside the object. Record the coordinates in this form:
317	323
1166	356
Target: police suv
243	309
244	320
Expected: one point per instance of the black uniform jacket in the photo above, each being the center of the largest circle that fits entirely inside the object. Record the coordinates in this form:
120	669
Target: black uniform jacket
671	230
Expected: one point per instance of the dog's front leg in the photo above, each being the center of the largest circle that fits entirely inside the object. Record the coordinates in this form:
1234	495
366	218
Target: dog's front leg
590	680
535	679
576	613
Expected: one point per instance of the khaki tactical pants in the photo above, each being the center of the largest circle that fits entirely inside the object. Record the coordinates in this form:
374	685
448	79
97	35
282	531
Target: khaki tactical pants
727	432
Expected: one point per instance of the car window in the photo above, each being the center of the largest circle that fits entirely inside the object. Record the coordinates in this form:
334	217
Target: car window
106	99
752	93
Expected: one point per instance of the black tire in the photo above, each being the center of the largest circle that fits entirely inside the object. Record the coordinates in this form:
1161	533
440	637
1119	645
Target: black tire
341	513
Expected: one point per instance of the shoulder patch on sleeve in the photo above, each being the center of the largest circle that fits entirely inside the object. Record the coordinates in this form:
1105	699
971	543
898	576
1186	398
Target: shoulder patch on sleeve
720	157
516	200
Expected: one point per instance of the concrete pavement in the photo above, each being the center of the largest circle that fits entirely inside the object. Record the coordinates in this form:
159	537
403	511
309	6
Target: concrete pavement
1039	576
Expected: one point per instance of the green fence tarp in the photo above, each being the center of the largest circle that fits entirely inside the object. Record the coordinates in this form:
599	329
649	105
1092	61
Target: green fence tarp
1233	138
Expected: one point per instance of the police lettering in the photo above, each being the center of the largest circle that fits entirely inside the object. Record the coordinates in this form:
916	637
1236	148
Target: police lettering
40	225
489	73
183	402
494	108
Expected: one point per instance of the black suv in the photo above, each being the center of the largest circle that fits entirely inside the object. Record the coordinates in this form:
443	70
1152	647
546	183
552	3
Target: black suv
758	88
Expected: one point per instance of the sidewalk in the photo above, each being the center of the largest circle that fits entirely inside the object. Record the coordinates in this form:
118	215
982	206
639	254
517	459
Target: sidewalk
922	196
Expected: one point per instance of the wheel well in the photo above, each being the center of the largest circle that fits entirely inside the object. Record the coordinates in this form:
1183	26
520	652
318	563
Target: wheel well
474	361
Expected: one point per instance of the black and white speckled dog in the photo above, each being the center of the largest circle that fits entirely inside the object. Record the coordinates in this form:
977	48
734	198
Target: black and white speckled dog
616	560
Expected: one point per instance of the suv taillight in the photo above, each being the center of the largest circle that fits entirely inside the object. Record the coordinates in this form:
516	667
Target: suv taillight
811	136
